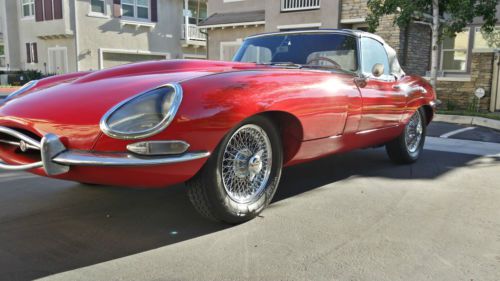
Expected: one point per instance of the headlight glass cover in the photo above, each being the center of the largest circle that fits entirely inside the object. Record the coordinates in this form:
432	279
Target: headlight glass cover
143	115
28	86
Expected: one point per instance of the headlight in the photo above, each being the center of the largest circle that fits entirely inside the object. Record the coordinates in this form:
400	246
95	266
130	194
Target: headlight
28	86
143	115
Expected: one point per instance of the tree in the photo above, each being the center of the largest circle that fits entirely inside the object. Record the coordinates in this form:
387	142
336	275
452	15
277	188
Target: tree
448	17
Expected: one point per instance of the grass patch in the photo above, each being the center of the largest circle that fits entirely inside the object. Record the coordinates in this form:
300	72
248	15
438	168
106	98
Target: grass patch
495	116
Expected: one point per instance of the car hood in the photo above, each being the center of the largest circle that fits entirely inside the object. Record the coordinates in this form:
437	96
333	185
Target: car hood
73	107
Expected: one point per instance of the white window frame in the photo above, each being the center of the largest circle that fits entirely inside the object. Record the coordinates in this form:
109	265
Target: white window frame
467	50
135	5
65	49
477	32
31	8
97	14
237	42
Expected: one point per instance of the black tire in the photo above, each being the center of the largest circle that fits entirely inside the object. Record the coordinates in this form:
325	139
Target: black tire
207	191
398	150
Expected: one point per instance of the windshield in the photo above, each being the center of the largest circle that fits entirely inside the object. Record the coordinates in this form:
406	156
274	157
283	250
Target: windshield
328	50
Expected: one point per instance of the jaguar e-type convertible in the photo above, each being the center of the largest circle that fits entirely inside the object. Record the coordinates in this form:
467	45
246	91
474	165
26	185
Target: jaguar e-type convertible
225	128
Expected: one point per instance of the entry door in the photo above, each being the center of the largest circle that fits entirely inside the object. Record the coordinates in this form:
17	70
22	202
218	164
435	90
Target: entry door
58	60
383	103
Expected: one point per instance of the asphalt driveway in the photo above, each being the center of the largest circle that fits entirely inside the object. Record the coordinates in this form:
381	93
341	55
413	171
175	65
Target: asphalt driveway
354	216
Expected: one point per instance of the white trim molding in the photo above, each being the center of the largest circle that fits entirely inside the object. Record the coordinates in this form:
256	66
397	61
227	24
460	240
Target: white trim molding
452	78
352	21
236	24
194	56
137	23
302	25
126	51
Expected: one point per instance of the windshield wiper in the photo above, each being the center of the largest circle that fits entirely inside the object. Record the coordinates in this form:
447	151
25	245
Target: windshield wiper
283	64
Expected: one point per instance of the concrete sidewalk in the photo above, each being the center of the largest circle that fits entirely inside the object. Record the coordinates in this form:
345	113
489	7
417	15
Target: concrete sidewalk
468	120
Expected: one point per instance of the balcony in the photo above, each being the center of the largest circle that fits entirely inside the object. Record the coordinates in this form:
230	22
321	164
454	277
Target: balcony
299	5
194	36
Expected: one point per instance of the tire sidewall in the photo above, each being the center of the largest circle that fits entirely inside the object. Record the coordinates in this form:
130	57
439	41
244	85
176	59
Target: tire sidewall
225	207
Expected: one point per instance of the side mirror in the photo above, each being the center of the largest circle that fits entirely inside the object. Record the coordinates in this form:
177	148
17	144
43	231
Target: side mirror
378	70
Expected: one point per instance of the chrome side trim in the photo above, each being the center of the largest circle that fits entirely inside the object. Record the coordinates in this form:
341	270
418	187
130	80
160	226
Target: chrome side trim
435	103
33	143
169	115
21	167
83	158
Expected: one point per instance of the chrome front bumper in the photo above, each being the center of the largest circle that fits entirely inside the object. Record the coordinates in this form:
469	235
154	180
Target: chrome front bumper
57	159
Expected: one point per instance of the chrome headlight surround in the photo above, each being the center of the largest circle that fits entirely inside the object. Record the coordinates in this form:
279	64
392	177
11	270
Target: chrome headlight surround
26	87
164	123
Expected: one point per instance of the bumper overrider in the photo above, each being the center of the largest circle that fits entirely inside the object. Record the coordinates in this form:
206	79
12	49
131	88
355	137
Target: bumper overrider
56	159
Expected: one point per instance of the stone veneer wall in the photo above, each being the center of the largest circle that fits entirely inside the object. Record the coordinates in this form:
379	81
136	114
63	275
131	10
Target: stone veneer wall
416	53
354	9
459	95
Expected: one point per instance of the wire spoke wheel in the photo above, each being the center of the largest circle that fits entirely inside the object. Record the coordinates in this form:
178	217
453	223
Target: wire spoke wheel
413	133
246	163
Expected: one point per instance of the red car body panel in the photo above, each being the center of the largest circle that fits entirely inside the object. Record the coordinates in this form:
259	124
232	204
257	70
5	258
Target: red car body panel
320	112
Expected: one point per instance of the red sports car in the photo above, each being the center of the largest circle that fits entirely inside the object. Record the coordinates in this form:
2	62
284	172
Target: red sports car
225	128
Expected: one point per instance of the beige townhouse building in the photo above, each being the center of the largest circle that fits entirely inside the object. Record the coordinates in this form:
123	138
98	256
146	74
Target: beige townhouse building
467	62
60	36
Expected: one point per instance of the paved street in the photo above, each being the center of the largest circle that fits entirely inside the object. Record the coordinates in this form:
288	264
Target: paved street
354	216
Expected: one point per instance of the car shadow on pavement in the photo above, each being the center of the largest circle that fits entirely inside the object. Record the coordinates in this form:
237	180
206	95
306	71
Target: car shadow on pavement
49	226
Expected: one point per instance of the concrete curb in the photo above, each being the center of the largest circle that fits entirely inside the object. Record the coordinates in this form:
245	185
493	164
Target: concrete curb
468	120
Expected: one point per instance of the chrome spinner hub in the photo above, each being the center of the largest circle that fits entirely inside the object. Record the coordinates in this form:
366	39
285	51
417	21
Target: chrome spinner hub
246	163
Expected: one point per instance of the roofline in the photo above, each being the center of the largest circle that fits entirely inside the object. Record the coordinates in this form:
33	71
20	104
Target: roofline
352	32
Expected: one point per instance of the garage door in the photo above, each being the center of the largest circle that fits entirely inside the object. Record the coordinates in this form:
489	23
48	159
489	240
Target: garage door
114	59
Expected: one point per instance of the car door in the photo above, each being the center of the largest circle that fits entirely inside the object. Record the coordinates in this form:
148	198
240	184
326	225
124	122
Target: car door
383	103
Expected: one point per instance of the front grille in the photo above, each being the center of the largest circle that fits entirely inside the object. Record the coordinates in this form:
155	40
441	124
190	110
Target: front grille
14	145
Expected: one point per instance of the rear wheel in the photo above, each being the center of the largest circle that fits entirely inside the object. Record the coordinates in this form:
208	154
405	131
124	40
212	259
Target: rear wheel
240	178
407	148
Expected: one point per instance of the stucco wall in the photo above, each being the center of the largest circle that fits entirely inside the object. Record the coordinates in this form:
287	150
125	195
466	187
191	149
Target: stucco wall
217	36
57	33
219	6
10	33
327	15
109	33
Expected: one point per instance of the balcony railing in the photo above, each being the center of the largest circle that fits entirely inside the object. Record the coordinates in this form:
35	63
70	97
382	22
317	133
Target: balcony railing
193	33
297	5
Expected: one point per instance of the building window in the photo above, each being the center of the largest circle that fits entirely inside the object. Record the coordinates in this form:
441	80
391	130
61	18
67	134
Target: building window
31	53
298	5
484	41
454	52
138	9
28	8
97	6
2	56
